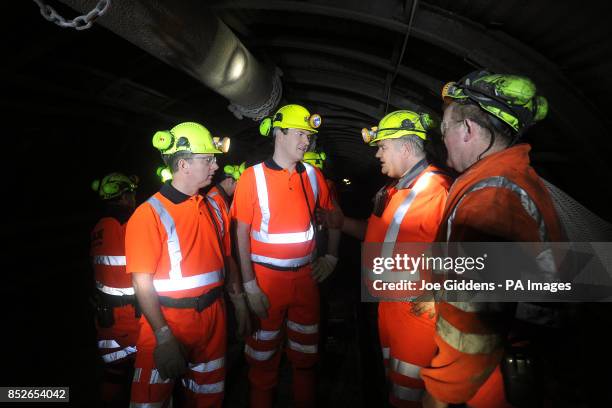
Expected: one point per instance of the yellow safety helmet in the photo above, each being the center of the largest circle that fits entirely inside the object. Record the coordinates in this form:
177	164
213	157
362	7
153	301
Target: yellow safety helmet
114	184
510	98
315	158
189	137
234	171
398	124
291	117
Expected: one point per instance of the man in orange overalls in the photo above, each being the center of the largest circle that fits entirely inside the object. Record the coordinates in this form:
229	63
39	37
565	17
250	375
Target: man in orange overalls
116	322
177	247
274	206
498	197
407	210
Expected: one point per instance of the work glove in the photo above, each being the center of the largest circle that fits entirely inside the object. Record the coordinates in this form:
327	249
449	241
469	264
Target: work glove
323	266
243	318
258	301
169	355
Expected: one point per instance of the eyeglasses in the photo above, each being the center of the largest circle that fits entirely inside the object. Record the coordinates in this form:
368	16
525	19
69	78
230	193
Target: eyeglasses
444	126
208	159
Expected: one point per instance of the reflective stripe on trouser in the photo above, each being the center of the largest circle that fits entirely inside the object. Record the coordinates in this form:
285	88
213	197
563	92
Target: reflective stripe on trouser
293	316
408	344
203	334
117	342
117	349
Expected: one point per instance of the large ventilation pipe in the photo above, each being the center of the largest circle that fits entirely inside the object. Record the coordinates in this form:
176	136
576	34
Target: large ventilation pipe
189	36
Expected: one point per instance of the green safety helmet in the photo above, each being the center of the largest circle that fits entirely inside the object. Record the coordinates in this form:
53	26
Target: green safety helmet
291	117
398	124
164	173
234	171
189	137
114	184
510	98
315	158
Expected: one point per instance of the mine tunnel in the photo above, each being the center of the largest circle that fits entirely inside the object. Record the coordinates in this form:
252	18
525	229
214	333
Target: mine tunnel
82	103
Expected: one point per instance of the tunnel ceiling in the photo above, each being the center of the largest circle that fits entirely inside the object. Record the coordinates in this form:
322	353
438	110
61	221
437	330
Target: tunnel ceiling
92	91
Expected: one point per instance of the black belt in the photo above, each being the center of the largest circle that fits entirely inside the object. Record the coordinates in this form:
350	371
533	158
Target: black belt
198	303
281	268
115	300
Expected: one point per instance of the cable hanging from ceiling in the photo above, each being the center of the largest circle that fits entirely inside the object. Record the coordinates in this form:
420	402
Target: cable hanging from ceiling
413	9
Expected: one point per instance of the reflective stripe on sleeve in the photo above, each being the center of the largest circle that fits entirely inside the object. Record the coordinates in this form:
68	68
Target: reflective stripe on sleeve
468	343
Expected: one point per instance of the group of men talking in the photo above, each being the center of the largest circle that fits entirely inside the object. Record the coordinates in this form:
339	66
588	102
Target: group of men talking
161	268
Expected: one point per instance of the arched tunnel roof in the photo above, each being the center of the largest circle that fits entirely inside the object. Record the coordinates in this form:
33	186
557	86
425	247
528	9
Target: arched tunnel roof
93	100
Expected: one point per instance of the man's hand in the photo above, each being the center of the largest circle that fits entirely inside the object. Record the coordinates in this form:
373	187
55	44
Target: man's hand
258	301
333	218
169	355
430	402
323	266
243	319
424	304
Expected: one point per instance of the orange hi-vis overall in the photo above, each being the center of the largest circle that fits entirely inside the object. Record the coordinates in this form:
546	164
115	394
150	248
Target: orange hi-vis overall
500	198
412	213
273	202
175	238
220	197
117	343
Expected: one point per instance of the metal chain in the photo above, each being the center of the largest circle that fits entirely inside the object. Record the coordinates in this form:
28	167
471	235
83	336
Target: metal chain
78	23
263	110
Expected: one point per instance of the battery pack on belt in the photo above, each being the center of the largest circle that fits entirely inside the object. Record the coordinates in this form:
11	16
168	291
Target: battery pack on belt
199	303
116	301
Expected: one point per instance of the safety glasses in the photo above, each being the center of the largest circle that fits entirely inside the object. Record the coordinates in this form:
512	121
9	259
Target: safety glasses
208	159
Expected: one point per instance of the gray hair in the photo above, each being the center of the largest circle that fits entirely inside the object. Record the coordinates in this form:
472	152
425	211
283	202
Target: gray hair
415	144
